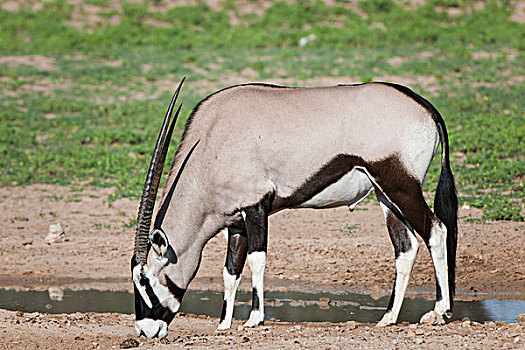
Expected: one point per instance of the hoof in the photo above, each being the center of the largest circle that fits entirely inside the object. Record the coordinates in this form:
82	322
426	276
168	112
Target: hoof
384	323
386	320
250	324
432	317
223	327
256	319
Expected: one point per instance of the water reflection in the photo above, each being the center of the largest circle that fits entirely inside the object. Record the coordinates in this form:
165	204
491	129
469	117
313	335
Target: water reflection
285	306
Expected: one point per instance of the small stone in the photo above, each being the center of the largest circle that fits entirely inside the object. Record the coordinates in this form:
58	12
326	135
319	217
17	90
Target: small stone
56	293
19	314
521	318
56	234
245	339
129	343
419	341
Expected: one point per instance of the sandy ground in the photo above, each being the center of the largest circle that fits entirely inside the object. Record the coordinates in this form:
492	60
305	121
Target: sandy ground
328	249
106	331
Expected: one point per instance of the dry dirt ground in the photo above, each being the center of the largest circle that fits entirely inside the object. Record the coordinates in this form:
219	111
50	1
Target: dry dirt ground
329	249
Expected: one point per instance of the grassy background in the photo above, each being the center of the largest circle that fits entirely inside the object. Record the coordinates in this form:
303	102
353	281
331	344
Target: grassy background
91	115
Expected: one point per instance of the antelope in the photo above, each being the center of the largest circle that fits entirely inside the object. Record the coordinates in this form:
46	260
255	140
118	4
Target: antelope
251	150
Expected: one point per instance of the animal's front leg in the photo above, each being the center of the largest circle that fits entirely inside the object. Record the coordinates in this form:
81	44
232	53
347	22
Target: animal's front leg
257	263
235	259
256	219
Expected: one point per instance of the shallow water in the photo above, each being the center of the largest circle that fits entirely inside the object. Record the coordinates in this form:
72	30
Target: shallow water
284	306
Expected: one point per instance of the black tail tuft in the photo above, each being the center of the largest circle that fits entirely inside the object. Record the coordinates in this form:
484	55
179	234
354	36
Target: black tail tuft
446	208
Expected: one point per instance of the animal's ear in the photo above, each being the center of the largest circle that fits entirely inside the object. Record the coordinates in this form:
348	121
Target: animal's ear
159	242
161	246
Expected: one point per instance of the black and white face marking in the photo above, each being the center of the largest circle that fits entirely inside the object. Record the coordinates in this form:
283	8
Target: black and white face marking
155	303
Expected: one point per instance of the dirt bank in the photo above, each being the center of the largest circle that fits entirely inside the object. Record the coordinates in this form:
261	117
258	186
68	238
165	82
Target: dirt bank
331	248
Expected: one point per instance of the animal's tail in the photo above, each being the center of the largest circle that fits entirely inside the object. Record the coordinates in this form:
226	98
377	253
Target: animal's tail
446	206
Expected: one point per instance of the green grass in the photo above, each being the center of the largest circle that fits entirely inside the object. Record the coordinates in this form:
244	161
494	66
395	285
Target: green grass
95	115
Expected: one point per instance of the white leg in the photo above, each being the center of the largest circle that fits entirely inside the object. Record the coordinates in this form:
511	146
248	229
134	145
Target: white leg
406	247
257	263
231	283
404	264
438	251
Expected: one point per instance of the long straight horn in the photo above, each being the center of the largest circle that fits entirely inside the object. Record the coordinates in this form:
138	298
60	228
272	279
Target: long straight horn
151	185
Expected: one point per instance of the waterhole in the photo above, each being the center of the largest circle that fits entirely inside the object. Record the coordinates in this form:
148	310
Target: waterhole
284	306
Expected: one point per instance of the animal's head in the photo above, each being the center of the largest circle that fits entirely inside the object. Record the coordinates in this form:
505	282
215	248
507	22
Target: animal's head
157	298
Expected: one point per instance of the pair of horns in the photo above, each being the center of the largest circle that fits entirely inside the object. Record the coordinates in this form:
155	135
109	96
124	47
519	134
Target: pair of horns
151	185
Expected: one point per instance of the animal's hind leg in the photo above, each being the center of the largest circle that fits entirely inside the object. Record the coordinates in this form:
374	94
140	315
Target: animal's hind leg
404	197
405	249
436	243
235	259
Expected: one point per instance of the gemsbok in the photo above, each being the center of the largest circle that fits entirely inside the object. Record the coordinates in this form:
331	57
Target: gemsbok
251	150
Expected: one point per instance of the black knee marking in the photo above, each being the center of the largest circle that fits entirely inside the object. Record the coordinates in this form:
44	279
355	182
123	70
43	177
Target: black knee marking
237	249
399	236
256	221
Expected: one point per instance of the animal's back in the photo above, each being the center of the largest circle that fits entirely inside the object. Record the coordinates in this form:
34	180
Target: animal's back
260	134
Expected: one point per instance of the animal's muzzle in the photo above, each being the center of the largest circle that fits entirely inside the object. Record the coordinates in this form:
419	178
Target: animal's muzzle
152	317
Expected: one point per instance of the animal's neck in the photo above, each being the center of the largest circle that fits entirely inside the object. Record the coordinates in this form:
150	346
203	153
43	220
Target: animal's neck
190	221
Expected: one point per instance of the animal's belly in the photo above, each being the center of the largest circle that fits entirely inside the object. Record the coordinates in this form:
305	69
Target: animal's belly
349	190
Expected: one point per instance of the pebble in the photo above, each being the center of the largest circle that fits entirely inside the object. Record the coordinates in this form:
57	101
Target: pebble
56	293
129	343
521	318
56	234
419	341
